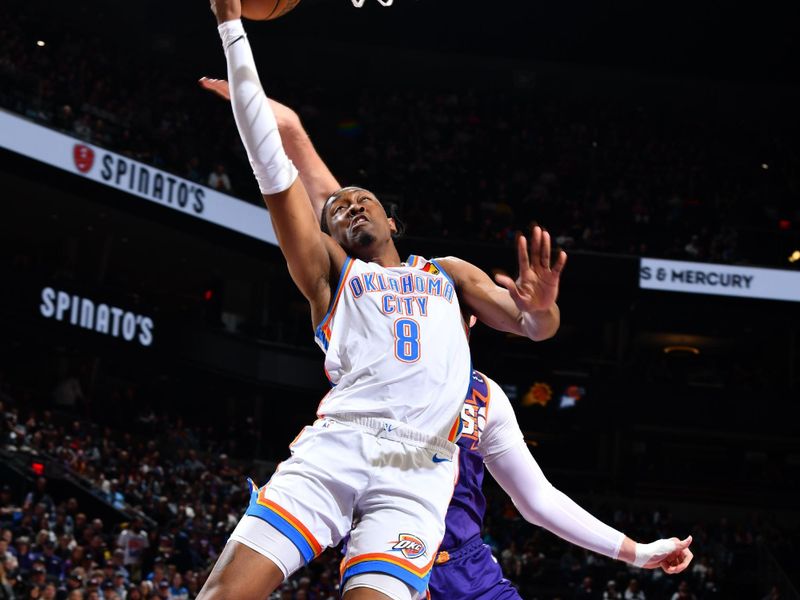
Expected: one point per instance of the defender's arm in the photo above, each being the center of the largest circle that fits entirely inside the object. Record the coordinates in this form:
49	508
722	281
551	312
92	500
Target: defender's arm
314	173
508	459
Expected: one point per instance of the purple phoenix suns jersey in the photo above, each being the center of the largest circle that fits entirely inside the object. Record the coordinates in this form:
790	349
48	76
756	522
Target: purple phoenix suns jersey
468	505
464	567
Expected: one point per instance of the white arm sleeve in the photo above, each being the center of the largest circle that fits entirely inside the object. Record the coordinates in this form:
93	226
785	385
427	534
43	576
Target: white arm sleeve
500	432
541	504
511	464
254	117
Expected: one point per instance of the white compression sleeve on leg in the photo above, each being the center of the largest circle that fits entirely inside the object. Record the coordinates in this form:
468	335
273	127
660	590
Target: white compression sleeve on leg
541	504
254	118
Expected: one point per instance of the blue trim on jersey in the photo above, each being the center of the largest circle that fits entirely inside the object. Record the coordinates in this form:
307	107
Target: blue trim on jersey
281	524
378	566
320	337
443	272
318	333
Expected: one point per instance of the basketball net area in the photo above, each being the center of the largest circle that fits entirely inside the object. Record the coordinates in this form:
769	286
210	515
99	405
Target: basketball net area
360	3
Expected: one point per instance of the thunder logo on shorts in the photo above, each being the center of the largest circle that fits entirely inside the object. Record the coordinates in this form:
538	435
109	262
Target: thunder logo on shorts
409	545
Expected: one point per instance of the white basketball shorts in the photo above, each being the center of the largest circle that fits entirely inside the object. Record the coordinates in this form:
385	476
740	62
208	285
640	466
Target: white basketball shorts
384	485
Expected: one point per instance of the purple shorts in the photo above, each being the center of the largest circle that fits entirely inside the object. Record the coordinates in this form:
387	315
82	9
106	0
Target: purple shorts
470	572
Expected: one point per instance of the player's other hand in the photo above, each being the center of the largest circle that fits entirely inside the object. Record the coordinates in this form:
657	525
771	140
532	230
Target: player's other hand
284	115
672	555
536	286
216	86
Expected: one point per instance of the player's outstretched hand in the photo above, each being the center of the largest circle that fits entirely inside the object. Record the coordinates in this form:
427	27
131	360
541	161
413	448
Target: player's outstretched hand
672	555
536	287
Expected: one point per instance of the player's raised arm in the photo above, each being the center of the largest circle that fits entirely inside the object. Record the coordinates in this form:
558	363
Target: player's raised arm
525	306
312	257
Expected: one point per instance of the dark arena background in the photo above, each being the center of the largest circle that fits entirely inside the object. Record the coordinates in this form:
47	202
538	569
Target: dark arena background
154	351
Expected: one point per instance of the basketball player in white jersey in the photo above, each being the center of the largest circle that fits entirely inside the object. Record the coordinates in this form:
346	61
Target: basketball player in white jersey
380	464
490	436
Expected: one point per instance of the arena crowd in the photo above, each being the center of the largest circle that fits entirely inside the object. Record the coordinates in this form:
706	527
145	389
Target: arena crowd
180	496
635	174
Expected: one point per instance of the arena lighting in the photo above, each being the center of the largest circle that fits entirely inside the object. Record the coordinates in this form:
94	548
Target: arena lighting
764	166
681	350
37	468
794	256
40	43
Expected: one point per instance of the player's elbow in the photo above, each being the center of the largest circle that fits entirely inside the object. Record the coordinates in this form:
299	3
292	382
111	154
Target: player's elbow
545	335
545	331
536	506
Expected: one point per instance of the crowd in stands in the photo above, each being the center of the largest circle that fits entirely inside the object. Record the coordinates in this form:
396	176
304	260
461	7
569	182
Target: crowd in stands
182	497
632	175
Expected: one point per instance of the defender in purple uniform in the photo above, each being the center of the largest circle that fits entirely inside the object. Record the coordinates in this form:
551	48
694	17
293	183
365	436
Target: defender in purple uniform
465	568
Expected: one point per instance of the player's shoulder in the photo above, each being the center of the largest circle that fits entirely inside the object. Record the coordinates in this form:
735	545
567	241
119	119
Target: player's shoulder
457	268
500	408
495	389
452	261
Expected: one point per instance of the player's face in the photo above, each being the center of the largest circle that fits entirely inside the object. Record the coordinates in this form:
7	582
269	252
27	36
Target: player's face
358	221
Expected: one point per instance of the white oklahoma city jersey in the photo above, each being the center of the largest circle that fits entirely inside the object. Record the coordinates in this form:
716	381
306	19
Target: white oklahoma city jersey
396	346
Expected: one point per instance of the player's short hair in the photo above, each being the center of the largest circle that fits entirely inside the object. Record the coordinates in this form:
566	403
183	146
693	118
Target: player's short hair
391	208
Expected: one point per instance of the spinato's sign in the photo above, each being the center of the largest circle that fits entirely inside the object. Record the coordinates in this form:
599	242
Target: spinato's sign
143	181
719	280
96	316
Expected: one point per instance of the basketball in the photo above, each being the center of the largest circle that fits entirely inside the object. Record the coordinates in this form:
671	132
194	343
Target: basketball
266	10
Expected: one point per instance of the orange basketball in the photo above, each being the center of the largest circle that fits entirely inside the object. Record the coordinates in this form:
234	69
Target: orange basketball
265	10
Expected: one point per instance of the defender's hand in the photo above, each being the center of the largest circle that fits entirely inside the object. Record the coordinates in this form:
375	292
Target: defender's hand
286	117
536	287
216	86
672	555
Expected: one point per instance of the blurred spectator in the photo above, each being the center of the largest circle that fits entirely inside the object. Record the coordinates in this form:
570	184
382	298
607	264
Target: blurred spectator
683	593
633	592
177	591
585	591
133	542
611	593
218	179
6	589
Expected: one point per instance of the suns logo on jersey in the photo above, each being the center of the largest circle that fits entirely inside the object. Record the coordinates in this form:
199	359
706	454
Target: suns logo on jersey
409	545
473	413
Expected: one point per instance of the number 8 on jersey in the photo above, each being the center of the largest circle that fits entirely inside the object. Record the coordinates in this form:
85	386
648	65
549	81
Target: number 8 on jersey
406	336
